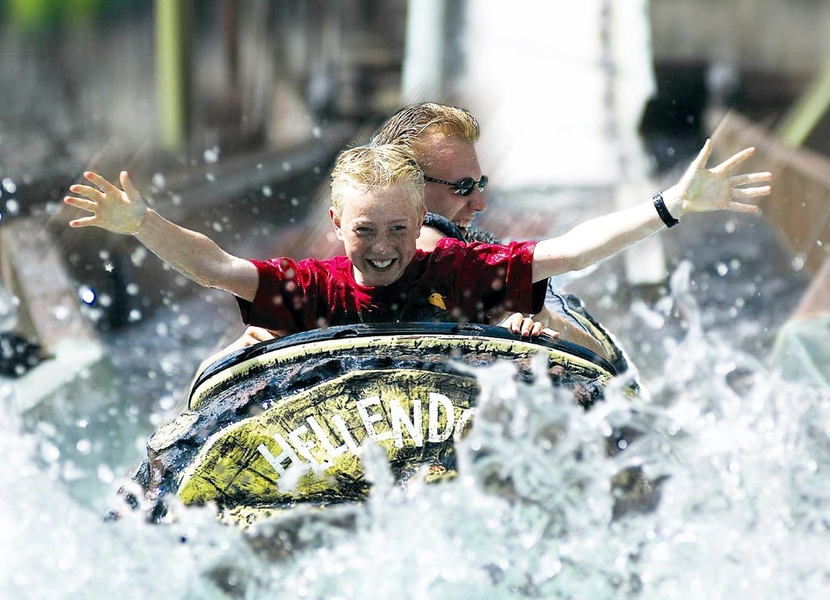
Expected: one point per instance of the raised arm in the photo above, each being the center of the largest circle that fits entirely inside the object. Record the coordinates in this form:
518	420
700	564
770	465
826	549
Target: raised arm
190	253
699	190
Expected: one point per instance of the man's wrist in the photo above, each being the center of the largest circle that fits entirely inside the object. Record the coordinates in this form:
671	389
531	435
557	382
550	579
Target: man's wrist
663	211
674	197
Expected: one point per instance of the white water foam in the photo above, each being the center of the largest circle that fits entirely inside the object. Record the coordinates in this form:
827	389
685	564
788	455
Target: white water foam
727	496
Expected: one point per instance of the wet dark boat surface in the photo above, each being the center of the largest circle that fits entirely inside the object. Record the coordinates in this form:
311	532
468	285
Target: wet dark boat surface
283	423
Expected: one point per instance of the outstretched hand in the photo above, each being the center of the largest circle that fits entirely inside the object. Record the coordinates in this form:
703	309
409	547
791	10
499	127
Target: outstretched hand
113	209
703	190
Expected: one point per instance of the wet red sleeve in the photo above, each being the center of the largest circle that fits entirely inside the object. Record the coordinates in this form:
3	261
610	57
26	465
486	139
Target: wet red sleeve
511	266
285	293
496	275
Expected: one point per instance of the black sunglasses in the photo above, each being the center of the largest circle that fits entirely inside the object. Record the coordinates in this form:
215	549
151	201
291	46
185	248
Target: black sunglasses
463	187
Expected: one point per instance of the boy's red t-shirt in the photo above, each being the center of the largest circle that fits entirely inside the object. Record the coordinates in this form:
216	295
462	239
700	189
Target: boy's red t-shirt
456	282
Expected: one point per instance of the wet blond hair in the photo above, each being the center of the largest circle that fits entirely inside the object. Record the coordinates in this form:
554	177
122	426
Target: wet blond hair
415	126
376	166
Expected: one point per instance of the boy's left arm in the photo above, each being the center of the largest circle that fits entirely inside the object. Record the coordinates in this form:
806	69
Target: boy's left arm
699	190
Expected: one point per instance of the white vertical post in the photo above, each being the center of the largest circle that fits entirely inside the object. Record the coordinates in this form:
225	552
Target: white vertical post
423	66
632	85
534	78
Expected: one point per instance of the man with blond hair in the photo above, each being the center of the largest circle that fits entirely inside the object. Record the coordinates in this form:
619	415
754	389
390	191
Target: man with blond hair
377	212
442	139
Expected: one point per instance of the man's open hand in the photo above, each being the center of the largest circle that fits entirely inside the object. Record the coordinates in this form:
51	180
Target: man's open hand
703	190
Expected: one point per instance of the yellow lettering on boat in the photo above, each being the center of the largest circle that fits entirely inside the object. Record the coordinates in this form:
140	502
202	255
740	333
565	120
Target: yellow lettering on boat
322	431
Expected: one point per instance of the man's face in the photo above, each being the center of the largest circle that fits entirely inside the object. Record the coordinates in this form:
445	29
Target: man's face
379	229
451	159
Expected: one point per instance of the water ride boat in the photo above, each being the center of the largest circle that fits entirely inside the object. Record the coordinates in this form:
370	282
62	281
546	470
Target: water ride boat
283	423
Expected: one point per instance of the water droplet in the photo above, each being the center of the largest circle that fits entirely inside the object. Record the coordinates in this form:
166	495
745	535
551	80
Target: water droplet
65	562
105	474
286	166
315	131
86	294
167	403
49	452
798	261
84	446
159	181
9	185
267	191
210	177
12	206
722	269
211	155
138	256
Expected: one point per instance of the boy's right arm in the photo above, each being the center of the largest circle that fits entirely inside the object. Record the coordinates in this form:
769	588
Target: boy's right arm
192	254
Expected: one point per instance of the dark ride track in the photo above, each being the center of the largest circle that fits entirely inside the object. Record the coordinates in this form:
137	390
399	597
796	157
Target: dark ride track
282	423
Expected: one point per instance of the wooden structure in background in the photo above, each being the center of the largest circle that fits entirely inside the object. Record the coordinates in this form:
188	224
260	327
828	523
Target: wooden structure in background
49	311
799	205
33	270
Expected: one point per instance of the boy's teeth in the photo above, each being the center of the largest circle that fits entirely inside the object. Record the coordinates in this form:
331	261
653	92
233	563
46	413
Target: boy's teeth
382	264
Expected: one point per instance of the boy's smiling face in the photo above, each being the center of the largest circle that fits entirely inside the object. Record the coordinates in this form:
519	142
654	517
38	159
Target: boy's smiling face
379	229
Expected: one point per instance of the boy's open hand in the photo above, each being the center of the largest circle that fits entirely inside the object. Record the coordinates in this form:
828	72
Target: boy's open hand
703	190
121	211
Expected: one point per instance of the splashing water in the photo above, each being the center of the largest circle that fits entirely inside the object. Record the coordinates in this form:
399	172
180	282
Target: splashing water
714	485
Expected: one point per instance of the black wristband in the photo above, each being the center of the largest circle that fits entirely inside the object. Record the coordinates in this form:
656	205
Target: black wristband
669	220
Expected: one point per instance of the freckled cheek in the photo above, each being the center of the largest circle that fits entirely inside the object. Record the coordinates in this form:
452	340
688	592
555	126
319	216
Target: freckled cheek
356	245
406	248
